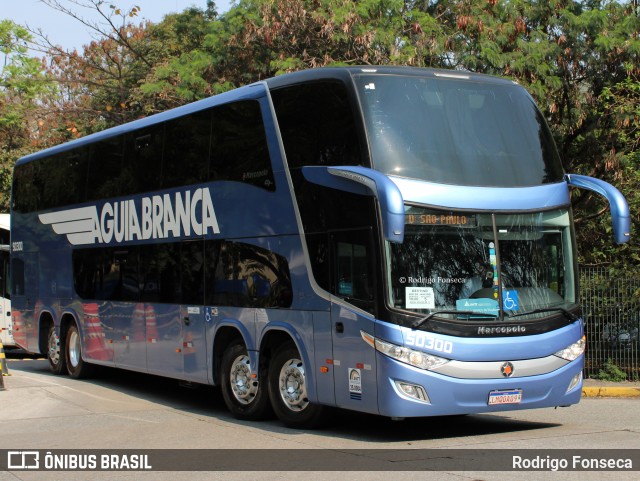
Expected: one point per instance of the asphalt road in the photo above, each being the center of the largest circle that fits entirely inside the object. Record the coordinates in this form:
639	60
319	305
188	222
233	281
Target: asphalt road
135	412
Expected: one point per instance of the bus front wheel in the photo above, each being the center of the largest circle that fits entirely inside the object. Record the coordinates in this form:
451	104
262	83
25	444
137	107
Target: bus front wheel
54	352
288	391
76	367
245	396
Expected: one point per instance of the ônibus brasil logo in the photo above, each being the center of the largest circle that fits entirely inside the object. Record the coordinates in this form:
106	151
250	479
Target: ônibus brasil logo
155	217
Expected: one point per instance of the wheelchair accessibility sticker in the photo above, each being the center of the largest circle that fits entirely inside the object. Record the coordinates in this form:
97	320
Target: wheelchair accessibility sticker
510	300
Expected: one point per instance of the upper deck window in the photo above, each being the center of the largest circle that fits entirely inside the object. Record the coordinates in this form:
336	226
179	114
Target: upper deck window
224	143
317	124
460	132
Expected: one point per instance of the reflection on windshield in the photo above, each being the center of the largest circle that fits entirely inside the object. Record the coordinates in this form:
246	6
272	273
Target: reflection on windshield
459	132
454	262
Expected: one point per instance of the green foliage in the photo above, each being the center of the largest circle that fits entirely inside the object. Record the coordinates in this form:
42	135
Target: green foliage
610	150
22	80
262	38
23	86
611	372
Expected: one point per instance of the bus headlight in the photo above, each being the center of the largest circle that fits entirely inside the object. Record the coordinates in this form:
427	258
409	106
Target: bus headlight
574	351
414	358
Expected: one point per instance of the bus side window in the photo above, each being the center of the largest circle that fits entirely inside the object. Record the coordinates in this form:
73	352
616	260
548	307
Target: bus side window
318	246
352	273
186	150
26	191
159	274
240	151
141	169
245	275
317	125
105	167
192	272
172	273
109	274
70	179
46	182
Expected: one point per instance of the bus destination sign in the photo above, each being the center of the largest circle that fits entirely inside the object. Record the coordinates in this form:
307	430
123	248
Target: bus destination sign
440	219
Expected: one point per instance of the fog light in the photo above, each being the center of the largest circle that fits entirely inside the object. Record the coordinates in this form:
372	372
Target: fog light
412	391
575	381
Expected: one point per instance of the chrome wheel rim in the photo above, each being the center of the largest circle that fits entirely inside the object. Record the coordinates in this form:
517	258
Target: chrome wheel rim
74	348
293	386
243	386
54	347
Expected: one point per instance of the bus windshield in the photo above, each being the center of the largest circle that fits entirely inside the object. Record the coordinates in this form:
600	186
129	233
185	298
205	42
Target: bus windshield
457	132
456	265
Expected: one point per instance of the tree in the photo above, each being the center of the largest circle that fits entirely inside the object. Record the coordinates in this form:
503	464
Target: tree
22	79
616	136
183	71
23	86
258	39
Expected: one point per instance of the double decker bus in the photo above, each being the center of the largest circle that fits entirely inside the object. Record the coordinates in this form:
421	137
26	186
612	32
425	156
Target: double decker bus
6	326
395	241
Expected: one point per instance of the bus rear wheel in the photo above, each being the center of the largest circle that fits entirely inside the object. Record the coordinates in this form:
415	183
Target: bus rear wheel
288	391
245	397
55	355
76	367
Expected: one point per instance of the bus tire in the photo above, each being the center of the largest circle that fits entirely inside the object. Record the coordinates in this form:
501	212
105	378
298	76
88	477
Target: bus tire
76	367
55	354
288	391
245	397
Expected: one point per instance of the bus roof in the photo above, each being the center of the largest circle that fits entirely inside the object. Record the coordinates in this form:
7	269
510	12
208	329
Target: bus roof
345	73
255	90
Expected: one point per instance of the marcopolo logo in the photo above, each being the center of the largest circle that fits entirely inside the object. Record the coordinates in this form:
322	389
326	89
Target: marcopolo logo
155	217
501	330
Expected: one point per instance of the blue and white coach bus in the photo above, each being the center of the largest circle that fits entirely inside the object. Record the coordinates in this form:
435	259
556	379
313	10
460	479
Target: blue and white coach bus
395	241
6	327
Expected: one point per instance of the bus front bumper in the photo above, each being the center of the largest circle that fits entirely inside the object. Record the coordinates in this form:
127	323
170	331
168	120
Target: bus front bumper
406	391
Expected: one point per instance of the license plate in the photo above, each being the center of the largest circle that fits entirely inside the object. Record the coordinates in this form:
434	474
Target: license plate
513	396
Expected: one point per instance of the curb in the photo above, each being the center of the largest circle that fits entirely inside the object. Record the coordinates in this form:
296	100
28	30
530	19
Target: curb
601	391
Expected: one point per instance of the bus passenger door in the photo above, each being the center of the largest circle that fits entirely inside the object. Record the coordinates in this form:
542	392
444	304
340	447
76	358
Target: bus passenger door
352	277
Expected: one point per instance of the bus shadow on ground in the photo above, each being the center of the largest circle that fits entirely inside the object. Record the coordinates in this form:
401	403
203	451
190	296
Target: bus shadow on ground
207	402
15	354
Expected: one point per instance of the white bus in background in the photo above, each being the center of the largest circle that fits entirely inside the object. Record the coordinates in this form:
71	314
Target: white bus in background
6	329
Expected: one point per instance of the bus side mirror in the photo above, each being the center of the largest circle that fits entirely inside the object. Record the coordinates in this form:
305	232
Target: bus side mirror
365	181
617	203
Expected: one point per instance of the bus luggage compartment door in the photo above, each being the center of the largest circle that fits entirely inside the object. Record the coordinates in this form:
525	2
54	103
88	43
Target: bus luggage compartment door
194	346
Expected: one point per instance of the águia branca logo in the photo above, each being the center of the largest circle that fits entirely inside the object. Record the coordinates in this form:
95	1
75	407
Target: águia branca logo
153	217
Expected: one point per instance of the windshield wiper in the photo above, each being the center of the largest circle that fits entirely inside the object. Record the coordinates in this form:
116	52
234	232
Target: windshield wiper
570	315
420	322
